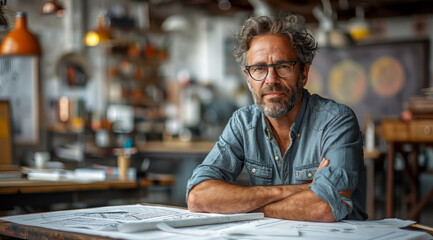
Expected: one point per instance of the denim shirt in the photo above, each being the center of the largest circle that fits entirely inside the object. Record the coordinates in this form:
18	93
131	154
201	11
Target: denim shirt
322	128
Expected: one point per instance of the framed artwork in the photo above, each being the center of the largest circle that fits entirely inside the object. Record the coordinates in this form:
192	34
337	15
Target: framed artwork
5	134
19	85
374	79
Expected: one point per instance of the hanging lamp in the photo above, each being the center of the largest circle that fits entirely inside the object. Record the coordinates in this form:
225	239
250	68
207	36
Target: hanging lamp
101	34
358	27
20	40
52	7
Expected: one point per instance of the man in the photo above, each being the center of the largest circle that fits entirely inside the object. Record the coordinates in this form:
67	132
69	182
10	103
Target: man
303	153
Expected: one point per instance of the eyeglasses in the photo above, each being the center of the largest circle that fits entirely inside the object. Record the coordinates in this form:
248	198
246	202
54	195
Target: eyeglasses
259	72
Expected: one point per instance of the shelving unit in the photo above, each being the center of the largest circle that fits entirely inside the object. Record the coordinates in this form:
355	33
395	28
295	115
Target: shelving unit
133	79
130	74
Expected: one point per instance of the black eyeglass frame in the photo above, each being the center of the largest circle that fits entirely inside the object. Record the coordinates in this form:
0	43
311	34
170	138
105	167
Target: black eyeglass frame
267	68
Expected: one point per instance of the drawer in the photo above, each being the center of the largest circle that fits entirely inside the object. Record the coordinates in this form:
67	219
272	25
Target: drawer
395	131
421	131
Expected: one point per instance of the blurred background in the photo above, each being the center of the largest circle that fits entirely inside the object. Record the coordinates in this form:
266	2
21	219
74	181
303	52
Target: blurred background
86	81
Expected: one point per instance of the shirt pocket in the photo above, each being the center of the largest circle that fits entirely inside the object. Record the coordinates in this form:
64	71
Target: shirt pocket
305	174
259	175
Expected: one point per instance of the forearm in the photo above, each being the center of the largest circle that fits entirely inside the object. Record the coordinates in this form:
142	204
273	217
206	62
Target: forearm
221	197
302	206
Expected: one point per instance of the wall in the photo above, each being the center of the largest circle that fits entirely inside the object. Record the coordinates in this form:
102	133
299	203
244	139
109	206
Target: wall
403	28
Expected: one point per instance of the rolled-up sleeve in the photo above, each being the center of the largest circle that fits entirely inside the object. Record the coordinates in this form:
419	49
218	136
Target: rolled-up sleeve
342	145
225	160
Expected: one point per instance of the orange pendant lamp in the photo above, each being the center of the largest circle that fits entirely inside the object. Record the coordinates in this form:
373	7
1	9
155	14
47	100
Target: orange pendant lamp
20	41
100	35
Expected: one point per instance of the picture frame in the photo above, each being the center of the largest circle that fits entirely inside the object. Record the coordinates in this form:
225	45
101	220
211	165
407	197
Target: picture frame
19	85
374	79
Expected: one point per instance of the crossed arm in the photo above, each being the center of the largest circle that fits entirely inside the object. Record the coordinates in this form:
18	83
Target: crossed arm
294	202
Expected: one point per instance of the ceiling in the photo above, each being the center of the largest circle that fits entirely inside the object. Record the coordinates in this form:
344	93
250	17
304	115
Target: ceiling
342	9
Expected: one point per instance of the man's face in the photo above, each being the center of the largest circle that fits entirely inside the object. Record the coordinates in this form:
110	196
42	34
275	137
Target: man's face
275	96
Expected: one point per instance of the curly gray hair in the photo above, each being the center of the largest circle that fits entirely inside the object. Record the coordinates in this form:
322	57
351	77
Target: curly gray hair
299	35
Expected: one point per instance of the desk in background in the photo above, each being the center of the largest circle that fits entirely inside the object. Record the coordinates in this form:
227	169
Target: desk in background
175	149
39	195
398	133
43	194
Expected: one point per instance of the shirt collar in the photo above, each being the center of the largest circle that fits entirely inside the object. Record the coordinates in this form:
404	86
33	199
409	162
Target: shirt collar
296	127
267	127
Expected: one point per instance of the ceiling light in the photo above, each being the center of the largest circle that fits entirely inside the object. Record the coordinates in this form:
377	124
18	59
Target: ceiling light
358	27
327	34
176	23
52	7
101	34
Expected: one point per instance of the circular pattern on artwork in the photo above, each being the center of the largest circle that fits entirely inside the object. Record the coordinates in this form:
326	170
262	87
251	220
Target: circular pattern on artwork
387	76
347	82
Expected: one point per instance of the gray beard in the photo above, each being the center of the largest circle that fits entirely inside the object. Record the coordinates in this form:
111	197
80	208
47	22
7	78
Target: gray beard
276	109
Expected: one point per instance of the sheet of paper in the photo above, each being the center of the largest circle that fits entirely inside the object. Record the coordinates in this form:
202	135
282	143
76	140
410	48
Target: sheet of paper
384	223
238	231
185	219
336	230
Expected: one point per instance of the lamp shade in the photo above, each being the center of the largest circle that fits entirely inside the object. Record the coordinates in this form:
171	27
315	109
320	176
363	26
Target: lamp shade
98	35
20	41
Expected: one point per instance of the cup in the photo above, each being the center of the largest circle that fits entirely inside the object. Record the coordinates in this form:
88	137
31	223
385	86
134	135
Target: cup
41	158
123	165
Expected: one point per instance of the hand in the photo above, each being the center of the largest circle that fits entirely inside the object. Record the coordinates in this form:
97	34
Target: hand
348	193
323	163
